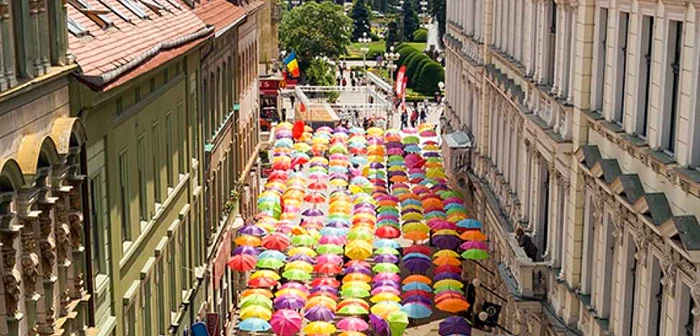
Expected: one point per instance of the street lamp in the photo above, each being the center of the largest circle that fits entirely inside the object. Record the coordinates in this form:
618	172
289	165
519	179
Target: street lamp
390	58
402	19
364	40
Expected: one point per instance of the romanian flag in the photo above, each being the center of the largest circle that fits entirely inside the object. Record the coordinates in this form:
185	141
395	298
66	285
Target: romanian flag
292	65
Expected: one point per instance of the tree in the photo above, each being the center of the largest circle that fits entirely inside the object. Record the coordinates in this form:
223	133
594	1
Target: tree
303	31
431	74
437	10
413	64
392	35
360	19
410	20
319	72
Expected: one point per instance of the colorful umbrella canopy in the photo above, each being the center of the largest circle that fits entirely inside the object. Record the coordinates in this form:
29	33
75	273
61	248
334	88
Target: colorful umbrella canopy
319	328
254	325
242	262
454	325
352	324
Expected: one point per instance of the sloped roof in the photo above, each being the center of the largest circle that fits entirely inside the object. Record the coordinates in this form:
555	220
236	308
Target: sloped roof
122	34
223	13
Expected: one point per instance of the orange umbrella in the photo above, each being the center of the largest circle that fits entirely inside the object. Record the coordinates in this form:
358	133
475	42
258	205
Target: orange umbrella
246	240
447	261
474	235
398	179
417	278
452	305
415	235
351	302
257	291
357	277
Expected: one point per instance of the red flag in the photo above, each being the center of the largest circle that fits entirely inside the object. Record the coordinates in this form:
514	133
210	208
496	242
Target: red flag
400	77
298	130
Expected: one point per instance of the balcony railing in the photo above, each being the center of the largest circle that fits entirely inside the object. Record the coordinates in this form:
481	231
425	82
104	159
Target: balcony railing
529	276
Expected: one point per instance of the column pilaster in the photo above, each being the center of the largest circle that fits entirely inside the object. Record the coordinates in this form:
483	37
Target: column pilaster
11	275
8	76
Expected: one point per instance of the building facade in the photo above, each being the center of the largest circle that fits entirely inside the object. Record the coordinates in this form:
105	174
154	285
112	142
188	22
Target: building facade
229	64
137	92
44	232
585	121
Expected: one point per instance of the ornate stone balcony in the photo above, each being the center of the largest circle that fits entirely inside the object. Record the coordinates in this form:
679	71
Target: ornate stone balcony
529	276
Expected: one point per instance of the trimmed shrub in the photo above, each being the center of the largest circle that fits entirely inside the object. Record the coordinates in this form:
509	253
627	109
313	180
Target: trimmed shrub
430	75
415	79
413	63
405	51
420	35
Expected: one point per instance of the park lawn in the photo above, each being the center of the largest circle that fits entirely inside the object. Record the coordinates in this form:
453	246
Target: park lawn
354	51
420	46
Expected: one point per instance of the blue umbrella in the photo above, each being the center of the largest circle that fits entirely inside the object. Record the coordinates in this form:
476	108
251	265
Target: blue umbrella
416	286
385	243
469	224
416	310
415	255
332	231
272	254
254	324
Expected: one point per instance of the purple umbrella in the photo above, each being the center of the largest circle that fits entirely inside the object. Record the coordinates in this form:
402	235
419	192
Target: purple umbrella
475	245
338	224
431	154
386	283
417	265
358	269
447	275
301	257
323	288
252	230
319	313
455	325
395	151
386	258
446	242
417	298
289	302
379	325
246	250
376	165
312	212
386	289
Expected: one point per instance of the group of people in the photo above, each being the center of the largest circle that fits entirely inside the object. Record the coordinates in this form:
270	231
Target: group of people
416	116
355	80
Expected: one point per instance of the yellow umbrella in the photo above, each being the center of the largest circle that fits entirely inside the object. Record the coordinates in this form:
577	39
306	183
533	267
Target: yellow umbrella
358	249
357	277
375	131
355	189
298	230
256	311
302	250
319	328
321	301
446	233
265	274
383	309
445	253
302	147
356	284
448	283
412	216
291	291
299	265
416	227
385	297
338	183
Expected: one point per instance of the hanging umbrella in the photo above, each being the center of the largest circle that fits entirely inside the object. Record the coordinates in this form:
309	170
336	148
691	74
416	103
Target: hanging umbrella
256	291
398	321
256	311
470	245
417	310
286	322
353	310
385	297
379	325
386	289
296	275
262	282
269	263
386	268
386	258
319	328
446	242
256	300
328	269
352	324
447	275
242	262
454	325
453	305
416	286
417	265
275	241
446	253
355	293
353	302
254	325
475	235
247	240
265	273
319	313
272	255
325	282
246	250
475	254
289	302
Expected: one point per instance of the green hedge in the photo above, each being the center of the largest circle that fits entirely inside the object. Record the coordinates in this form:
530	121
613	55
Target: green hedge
431	74
405	52
411	64
413	68
420	35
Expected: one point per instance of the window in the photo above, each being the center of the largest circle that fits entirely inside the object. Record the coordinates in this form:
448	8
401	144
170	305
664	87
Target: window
146	307
137	94
182	130
160	300
120	106
605	274
184	267
130	325
124	196
212	105
153	84
621	68
166	76
155	162
645	76
672	87
600	59
169	136
630	287
588	246
205	109
197	236
172	263
656	299
98	257
687	318
141	164
551	44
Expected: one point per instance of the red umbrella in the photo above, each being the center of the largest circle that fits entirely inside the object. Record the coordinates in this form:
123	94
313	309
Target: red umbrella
298	129
315	198
299	160
262	282
361	263
422	249
387	232
242	262
325	282
317	186
415	292
275	241
448	268
327	268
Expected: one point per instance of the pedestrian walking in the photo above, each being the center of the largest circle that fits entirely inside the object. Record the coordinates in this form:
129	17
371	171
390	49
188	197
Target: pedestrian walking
344	82
423	115
353	82
414	118
404	120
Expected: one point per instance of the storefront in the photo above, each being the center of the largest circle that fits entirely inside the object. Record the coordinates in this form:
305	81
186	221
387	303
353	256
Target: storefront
270	102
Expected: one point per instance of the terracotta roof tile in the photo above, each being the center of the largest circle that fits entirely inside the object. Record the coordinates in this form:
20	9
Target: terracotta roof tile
104	50
219	13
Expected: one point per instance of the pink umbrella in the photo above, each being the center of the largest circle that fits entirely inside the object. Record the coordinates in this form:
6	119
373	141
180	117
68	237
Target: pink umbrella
386	289
352	324
395	151
386	276
442	225
475	245
295	285
335	240
286	322
329	259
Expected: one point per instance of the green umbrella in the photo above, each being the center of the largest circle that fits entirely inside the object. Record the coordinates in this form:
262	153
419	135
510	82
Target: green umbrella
386	268
269	263
387	209
447	288
475	254
396	158
354	292
398	321
303	240
255	299
363	234
386	250
353	310
297	275
329	249
450	194
267	304
411	139
338	216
